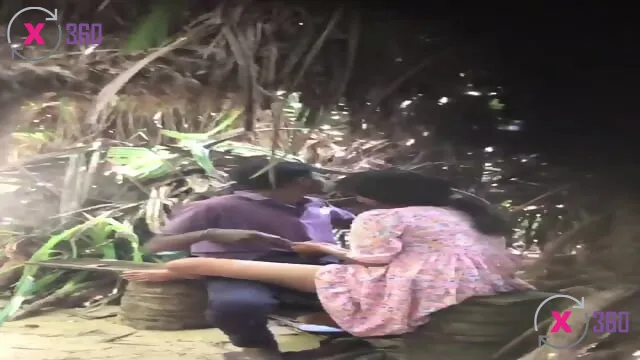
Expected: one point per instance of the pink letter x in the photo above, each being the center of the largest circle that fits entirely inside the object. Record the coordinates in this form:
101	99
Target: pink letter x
561	321
34	34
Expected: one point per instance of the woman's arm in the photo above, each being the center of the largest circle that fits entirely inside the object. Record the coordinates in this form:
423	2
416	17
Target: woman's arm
343	254
338	252
156	275
321	249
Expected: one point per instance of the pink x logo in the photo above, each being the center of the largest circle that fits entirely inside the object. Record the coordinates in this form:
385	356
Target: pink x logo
561	321
34	33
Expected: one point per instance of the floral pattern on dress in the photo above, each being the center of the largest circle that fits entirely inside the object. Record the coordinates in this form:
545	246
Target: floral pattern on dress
419	260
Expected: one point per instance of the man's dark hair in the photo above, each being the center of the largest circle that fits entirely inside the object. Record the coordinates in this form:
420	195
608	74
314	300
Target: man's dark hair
284	173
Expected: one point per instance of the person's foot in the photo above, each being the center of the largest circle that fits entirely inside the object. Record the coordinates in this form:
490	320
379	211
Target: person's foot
317	319
149	275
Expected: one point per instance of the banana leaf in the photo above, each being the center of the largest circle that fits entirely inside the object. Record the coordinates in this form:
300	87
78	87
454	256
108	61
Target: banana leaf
23	290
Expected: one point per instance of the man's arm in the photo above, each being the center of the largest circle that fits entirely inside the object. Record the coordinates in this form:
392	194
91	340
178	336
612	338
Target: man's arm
191	225
224	236
201	223
160	243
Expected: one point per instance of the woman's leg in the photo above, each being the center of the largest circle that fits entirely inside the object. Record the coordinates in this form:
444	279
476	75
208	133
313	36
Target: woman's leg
294	276
153	275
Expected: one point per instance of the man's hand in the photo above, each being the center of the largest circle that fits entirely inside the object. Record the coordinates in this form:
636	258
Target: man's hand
228	236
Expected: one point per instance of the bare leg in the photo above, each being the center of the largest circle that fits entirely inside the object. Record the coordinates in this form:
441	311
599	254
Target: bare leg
154	275
293	276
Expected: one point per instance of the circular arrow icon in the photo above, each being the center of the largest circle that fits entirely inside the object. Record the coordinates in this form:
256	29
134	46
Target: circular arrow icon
53	16
542	339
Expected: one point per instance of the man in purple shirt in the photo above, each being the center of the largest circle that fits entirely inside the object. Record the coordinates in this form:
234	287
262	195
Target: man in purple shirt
240	307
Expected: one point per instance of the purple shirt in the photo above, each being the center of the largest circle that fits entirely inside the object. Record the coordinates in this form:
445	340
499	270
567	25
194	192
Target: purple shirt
310	220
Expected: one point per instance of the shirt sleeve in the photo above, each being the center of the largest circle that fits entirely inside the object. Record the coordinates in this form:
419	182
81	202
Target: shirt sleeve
376	237
193	217
341	214
341	218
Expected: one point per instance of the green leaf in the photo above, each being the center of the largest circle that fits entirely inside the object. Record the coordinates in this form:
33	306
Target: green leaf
97	235
41	136
185	136
153	30
201	157
251	150
225	122
495	104
141	163
23	290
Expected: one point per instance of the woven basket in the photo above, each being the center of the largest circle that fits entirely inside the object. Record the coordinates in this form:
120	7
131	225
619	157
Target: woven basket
174	305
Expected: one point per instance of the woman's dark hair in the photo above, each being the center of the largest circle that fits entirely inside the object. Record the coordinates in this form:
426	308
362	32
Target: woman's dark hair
405	188
285	172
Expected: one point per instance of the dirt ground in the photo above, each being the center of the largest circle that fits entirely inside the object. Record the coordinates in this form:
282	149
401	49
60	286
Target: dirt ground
69	335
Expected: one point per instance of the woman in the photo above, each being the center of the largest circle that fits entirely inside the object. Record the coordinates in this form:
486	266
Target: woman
421	251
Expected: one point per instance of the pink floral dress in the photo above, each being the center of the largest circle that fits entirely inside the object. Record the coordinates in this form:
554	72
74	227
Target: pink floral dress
423	259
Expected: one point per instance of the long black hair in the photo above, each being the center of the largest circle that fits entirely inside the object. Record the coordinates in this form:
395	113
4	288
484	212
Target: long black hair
400	188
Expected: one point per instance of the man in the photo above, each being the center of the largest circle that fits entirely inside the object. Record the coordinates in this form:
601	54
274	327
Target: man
250	224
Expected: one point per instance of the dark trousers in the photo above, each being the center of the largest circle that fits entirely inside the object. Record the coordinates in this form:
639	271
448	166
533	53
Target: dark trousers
240	307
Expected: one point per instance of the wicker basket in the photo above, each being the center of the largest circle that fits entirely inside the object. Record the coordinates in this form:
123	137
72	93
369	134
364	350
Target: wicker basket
174	305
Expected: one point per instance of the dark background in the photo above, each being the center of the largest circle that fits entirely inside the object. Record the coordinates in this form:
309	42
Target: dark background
569	71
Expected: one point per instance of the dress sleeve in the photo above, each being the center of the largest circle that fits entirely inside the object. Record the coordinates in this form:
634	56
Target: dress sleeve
500	259
375	237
